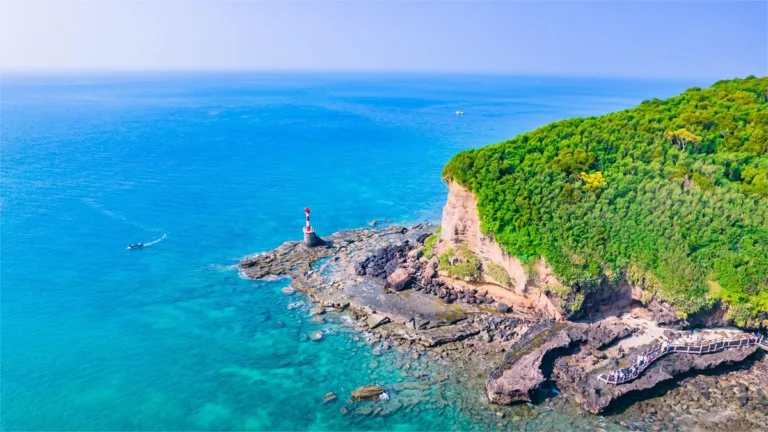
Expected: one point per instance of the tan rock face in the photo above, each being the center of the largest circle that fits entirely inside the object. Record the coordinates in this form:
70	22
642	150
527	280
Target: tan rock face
367	392
399	279
461	225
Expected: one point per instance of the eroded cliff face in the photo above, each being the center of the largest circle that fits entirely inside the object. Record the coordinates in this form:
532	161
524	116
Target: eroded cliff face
461	226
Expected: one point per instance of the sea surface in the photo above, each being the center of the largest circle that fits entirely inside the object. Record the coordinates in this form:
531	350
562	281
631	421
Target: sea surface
209	168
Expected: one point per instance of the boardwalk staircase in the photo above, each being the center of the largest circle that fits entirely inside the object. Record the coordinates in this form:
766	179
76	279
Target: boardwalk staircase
658	350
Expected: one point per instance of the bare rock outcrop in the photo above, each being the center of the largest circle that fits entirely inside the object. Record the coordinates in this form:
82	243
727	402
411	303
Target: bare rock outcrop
595	395
570	355
461	226
526	366
370	391
399	279
453	320
375	320
520	373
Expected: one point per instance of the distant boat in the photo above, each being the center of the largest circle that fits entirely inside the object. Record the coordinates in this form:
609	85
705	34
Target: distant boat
135	246
459	112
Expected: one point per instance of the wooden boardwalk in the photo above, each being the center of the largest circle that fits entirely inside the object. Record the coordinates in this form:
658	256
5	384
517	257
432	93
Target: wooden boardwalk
658	350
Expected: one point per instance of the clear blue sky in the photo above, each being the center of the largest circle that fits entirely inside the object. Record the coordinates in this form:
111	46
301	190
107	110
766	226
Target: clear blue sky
665	39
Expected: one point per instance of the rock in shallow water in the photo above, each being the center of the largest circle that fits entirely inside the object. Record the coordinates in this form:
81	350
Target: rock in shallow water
364	411
287	290
316	335
367	392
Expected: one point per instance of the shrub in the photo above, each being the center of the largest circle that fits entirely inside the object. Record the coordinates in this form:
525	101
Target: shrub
429	246
444	260
740	314
428	249
578	301
468	265
529	267
646	298
498	274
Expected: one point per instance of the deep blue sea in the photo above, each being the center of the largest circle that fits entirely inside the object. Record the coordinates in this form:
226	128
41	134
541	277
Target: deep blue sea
96	337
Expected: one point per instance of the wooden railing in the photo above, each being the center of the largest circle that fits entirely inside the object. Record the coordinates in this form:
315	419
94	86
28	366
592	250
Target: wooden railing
658	350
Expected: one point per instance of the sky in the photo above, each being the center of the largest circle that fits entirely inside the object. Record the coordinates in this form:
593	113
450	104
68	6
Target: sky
659	39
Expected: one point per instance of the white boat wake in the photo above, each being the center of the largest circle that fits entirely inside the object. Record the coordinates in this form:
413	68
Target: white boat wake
156	241
115	216
120	218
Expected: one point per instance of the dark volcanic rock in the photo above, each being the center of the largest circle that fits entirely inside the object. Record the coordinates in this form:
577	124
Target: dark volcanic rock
663	313
383	261
600	335
519	374
422	237
376	320
443	335
595	395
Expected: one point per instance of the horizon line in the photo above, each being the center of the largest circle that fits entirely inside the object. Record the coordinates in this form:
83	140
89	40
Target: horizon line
106	71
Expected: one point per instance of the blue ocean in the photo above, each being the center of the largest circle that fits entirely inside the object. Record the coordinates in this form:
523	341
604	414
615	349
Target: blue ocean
206	169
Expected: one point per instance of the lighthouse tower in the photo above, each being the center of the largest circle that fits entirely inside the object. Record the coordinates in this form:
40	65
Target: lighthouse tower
311	239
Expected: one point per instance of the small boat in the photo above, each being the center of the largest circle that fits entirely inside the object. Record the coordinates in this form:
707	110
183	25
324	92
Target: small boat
135	246
459	112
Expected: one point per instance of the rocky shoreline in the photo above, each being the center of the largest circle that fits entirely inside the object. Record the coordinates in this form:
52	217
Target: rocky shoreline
382	281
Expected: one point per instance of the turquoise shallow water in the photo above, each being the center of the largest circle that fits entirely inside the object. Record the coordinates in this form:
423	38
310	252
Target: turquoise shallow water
95	337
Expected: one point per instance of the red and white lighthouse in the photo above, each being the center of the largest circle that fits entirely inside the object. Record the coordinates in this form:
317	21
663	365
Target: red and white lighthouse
308	227
311	239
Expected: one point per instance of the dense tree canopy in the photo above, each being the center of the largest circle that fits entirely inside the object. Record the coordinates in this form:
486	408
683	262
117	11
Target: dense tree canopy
672	194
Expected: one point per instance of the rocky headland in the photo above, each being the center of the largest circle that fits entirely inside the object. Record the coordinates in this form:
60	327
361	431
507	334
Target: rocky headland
453	294
655	230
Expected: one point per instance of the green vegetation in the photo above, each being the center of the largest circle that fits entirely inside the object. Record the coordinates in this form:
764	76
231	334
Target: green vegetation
529	267
561	291
429	246
429	243
461	265
672	194
498	274
577	302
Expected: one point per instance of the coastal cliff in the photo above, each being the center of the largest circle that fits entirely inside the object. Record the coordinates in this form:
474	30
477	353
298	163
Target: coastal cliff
619	250
536	286
461	226
669	198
